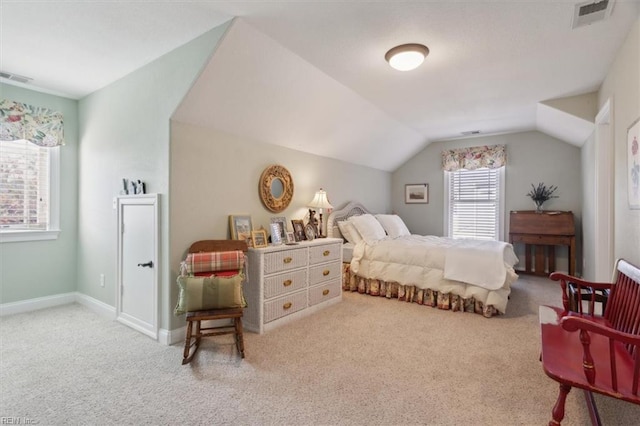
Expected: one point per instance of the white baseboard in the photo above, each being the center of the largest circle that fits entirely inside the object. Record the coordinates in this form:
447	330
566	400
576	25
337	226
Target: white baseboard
166	337
37	303
171	337
96	306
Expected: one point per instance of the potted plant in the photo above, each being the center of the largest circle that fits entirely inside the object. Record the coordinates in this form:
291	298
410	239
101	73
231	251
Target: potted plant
541	193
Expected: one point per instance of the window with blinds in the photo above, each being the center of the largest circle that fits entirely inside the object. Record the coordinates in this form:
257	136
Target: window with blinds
474	203
24	186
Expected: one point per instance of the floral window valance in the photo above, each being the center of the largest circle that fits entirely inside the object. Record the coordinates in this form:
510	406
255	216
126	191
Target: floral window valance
492	157
41	126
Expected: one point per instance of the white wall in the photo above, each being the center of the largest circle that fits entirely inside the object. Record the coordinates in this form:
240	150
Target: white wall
33	269
532	157
622	85
215	174
124	133
588	159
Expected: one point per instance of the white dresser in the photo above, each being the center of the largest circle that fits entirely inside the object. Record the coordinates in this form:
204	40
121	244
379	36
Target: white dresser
288	282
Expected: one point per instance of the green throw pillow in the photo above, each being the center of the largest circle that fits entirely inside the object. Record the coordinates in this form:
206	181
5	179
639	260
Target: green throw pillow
202	293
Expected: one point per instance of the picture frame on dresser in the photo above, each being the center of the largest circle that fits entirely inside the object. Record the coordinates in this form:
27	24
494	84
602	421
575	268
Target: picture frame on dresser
291	237
283	226
298	229
259	238
276	233
240	226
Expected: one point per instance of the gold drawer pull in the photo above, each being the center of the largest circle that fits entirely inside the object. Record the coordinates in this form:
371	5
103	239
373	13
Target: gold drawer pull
287	305
326	253
325	292
287	283
287	260
326	272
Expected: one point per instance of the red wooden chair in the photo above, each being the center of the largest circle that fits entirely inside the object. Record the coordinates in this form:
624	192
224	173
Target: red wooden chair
604	356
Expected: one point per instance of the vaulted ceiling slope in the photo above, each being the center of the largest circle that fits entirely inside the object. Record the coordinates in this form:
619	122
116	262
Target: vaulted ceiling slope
311	75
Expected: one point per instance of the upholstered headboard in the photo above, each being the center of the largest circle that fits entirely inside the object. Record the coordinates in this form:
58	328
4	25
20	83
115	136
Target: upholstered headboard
352	208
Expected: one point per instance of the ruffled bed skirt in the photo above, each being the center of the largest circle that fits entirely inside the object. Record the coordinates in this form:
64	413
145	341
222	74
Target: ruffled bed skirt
410	293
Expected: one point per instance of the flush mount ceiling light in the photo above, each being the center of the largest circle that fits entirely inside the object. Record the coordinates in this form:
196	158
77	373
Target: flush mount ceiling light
407	56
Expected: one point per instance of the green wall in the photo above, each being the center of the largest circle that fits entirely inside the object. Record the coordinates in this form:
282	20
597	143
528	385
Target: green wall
125	133
33	269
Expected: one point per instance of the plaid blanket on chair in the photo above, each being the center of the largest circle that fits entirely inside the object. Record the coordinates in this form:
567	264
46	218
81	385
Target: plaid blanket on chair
206	263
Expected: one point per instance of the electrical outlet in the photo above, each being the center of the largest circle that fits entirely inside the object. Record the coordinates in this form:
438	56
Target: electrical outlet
101	280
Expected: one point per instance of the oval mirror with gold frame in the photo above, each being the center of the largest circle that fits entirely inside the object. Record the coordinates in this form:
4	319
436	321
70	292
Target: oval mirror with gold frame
276	188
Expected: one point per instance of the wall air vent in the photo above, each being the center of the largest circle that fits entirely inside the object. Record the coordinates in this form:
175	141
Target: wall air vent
15	77
470	132
588	13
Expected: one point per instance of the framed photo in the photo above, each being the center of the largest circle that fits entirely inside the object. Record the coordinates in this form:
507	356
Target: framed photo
240	227
633	161
416	193
298	229
291	237
276	233
310	231
259	238
283	226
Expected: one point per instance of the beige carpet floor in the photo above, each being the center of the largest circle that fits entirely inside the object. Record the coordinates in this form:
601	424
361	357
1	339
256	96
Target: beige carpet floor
364	361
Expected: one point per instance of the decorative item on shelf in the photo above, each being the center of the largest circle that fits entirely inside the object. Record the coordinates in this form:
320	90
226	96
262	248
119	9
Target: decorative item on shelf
320	201
276	188
133	187
540	194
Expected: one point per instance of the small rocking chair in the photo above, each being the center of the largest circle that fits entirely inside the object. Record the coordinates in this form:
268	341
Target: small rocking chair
213	258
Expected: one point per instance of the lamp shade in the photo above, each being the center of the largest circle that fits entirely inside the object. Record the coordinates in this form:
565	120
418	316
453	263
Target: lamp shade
320	200
407	56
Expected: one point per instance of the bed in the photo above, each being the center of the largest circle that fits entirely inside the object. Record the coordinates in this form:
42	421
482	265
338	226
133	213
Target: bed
383	259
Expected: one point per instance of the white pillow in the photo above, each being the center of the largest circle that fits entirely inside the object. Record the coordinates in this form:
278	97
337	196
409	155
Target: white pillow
369	228
393	224
349	232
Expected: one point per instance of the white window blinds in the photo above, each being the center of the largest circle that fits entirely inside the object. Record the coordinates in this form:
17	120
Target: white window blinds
24	186
474	208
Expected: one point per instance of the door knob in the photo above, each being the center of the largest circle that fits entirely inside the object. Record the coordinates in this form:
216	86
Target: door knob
149	264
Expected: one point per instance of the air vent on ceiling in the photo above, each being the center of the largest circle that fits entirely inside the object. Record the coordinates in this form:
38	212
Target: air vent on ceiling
471	132
588	13
15	77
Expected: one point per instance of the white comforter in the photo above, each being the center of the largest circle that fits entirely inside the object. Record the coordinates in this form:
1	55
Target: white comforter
468	268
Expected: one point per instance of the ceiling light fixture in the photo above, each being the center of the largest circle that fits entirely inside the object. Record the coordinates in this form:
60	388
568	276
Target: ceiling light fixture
407	56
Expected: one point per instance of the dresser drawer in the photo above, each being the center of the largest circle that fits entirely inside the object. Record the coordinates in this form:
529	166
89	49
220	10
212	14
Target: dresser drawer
286	282
285	305
284	260
320	273
323	292
324	253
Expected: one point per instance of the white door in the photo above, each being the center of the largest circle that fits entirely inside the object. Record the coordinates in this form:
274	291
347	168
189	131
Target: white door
137	297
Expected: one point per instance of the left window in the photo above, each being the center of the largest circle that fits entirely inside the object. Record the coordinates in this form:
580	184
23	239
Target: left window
29	191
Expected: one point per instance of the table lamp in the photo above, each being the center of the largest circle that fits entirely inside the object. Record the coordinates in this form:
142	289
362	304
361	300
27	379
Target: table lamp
320	202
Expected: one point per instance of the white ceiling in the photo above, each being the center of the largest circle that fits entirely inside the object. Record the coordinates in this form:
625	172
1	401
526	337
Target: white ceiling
311	75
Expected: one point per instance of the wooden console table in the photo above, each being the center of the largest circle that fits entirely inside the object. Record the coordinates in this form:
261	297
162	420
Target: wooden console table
547	229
